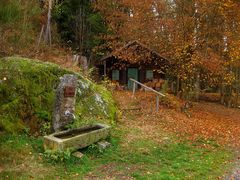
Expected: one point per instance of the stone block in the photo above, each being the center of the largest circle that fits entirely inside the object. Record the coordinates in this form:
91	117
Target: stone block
78	154
103	144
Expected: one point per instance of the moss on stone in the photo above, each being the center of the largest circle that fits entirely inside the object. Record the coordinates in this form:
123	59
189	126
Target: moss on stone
27	94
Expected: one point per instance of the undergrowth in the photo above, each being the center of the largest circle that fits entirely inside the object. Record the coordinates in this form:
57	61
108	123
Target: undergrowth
20	26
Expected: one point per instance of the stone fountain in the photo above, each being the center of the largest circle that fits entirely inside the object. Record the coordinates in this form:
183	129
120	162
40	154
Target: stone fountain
63	115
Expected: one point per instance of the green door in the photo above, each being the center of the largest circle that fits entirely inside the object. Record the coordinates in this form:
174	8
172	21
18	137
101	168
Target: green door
115	75
132	73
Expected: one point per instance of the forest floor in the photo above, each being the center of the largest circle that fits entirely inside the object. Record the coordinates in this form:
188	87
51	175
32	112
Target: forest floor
207	122
145	145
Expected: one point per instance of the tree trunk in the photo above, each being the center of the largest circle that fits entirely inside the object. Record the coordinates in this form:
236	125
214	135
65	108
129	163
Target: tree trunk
47	36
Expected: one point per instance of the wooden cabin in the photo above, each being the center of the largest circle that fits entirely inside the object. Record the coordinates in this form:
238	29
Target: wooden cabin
134	60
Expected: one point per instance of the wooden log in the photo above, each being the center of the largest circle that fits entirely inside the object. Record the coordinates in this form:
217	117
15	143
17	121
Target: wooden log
158	85
155	80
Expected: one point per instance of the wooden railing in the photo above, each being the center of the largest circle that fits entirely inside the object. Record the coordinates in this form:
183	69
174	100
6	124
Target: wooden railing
150	89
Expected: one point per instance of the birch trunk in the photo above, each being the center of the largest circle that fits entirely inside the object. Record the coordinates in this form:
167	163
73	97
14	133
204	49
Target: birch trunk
47	36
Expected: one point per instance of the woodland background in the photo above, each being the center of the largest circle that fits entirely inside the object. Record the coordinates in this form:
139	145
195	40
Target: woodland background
200	38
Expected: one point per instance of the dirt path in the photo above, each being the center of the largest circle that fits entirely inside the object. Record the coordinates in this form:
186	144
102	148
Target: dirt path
235	174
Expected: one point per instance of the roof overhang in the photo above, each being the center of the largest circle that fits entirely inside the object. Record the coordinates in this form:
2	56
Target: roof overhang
135	52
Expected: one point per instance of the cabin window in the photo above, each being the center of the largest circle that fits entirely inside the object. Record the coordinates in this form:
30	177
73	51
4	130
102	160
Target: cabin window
115	75
149	74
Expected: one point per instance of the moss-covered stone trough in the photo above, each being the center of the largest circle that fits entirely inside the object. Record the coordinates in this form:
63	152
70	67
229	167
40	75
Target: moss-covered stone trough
76	138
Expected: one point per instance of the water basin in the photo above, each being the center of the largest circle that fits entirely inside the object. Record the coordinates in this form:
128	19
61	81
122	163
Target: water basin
76	138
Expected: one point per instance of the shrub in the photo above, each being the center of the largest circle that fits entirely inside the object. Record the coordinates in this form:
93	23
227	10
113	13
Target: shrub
57	156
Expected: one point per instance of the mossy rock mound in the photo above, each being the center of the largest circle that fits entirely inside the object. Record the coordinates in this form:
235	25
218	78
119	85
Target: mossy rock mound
27	96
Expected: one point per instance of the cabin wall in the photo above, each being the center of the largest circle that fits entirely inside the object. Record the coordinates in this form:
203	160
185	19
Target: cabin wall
143	70
123	77
123	74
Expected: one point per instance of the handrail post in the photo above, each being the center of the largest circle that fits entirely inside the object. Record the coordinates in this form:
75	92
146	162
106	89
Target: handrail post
134	88
133	80
146	87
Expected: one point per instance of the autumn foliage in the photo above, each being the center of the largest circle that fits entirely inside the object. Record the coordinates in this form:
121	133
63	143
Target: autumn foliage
206	121
200	38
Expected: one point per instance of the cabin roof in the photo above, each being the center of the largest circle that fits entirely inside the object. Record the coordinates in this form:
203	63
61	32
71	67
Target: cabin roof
135	52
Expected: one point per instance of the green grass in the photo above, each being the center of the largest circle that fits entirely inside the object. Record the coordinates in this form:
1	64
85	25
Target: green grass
171	161
141	160
9	12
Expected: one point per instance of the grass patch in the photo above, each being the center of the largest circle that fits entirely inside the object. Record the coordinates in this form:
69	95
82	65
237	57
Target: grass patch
142	160
148	160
